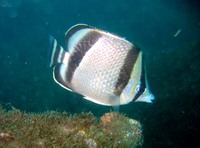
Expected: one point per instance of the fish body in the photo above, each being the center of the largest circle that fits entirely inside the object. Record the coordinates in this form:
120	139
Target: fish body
105	68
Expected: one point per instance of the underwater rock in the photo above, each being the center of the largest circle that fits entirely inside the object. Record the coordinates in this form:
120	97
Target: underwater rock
126	130
55	129
90	143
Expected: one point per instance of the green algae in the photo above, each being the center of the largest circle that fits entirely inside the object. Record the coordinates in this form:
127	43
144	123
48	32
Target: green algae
56	129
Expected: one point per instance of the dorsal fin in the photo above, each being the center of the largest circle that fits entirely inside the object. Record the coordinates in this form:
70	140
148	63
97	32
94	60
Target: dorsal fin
74	29
75	34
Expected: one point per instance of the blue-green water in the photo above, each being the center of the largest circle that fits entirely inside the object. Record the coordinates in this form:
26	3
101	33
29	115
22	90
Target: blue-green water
168	33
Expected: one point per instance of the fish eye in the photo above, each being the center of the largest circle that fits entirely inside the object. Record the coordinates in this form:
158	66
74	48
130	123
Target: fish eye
137	88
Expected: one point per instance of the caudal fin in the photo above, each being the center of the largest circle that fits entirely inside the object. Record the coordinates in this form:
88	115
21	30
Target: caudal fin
57	54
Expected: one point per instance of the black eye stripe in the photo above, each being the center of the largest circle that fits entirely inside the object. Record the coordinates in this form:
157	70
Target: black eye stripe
142	83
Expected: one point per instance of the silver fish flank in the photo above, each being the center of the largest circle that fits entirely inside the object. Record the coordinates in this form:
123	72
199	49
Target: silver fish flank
106	69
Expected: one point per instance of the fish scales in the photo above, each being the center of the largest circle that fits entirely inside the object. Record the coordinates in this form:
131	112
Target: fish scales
105	68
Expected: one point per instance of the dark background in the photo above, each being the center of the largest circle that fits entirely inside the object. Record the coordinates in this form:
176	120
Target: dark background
173	64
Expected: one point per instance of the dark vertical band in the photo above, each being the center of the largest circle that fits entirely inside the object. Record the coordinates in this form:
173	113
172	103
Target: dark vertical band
126	70
80	50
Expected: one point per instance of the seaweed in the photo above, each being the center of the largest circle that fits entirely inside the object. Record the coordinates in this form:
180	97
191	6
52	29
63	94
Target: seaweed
61	129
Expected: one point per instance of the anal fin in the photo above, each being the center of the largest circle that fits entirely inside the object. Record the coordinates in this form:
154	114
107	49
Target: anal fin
59	75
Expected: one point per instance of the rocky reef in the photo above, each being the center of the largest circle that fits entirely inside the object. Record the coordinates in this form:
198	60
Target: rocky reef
56	129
